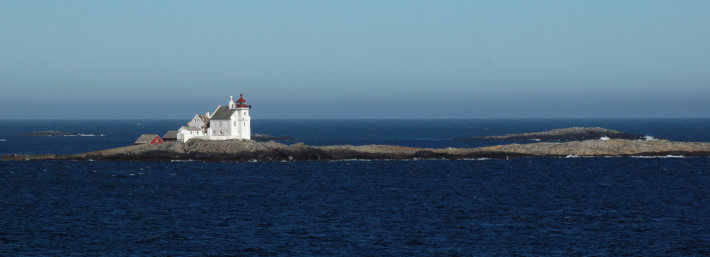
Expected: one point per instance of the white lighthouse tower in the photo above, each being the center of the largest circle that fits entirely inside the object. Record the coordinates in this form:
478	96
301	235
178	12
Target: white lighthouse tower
242	122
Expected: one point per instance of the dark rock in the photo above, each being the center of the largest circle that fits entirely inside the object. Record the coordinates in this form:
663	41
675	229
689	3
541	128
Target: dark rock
49	133
565	134
265	137
236	150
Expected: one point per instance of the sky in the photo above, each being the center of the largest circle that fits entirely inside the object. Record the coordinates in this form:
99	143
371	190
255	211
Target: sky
355	59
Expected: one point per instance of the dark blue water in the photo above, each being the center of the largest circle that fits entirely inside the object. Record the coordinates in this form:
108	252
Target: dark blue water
527	206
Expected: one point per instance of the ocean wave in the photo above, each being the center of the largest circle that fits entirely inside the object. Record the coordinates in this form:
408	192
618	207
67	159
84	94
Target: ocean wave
351	160
82	135
659	156
3	140
476	159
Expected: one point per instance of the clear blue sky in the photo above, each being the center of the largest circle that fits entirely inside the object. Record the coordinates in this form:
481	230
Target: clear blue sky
355	59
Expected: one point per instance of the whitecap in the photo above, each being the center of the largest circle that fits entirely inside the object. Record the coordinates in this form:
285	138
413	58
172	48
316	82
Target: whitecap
3	140
572	156
365	160
673	156
604	138
649	138
346	160
659	156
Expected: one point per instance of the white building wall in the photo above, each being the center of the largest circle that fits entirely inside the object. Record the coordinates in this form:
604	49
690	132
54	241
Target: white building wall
242	123
185	134
220	128
196	122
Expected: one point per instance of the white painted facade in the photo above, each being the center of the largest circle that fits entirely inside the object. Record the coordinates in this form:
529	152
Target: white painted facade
186	133
226	122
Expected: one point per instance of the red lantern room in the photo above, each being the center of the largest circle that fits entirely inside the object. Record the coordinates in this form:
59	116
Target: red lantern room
241	103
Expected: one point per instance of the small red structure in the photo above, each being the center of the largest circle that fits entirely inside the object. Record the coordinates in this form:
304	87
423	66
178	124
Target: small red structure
148	139
241	103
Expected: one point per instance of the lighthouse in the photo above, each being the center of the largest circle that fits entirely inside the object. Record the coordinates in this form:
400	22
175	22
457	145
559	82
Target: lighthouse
242	121
226	122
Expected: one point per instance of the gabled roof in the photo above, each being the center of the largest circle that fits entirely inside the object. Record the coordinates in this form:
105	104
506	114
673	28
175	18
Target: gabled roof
145	139
222	113
172	134
190	128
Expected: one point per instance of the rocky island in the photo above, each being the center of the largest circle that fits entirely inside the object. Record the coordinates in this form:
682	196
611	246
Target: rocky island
265	137
564	134
48	133
250	150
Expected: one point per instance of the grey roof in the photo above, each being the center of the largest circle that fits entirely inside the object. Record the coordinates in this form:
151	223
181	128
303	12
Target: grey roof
145	139
222	113
191	128
172	134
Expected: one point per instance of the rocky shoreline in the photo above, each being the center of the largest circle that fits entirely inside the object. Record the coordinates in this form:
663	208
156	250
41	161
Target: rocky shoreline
49	133
564	134
245	150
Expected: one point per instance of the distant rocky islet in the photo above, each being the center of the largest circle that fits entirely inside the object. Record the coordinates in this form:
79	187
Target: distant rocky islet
565	134
55	133
49	133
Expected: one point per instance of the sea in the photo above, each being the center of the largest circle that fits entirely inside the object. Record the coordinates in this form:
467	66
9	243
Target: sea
606	206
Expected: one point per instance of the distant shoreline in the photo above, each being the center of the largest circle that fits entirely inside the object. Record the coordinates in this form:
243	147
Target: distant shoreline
605	143
243	151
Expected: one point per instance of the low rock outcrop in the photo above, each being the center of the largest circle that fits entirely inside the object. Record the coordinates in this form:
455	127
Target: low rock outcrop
240	150
565	134
49	133
265	137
